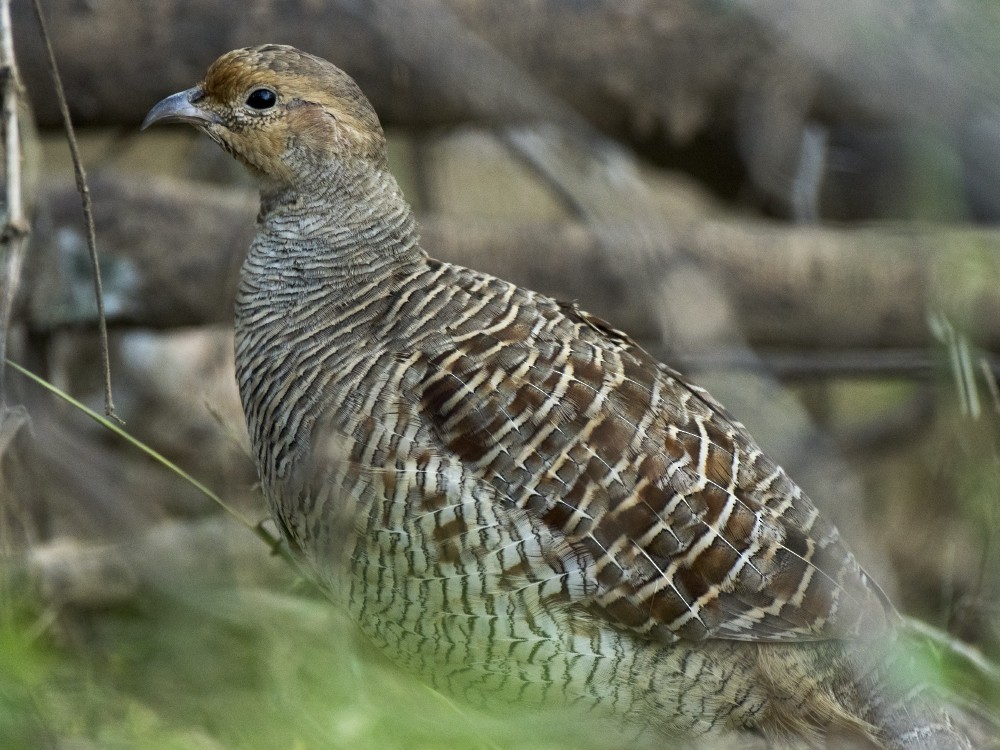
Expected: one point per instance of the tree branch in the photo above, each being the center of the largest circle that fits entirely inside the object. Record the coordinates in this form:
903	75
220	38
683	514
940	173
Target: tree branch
14	234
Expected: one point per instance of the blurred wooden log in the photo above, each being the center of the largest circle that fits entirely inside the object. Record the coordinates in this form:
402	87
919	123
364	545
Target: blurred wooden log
167	556
170	254
761	90
414	58
741	84
172	250
645	65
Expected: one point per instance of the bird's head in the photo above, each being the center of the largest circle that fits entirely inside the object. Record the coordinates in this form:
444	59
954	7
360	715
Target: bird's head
284	113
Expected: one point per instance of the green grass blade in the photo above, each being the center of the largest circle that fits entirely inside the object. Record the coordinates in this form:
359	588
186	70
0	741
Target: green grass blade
256	528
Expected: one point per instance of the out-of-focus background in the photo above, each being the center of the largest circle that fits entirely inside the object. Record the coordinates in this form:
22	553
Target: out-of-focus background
792	201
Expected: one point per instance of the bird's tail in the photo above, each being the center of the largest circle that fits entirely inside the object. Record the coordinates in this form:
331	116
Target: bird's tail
873	691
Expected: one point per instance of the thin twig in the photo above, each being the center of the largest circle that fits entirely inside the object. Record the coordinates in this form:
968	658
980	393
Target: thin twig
15	230
88	214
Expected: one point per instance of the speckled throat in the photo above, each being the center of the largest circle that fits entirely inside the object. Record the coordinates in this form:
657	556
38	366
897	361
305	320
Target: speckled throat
313	285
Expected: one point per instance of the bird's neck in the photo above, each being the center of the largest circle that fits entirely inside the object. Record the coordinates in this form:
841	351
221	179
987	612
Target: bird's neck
341	231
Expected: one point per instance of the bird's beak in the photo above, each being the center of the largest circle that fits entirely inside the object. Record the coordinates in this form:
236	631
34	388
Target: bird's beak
180	107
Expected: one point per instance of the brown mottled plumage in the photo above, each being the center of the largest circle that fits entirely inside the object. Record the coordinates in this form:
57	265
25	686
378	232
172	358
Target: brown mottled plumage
511	497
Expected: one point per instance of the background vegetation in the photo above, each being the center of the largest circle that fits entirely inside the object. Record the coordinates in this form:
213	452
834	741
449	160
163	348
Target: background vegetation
794	202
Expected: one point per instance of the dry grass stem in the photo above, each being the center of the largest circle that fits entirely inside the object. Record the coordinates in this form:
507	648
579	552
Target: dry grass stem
88	213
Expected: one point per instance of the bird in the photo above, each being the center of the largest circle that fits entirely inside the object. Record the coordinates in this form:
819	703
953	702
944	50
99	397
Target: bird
510	497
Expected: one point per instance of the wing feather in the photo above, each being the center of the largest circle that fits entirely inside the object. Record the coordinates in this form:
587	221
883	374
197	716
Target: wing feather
691	530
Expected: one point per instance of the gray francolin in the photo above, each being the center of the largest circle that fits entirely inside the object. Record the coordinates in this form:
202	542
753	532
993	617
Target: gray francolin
510	497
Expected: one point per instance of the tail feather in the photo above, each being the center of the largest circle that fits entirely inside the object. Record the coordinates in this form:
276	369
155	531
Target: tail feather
866	693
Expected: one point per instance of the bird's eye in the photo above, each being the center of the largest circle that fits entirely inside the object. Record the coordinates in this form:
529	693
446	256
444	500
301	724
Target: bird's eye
261	99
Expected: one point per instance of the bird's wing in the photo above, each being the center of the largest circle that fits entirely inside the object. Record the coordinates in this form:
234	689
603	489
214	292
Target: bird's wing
689	529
